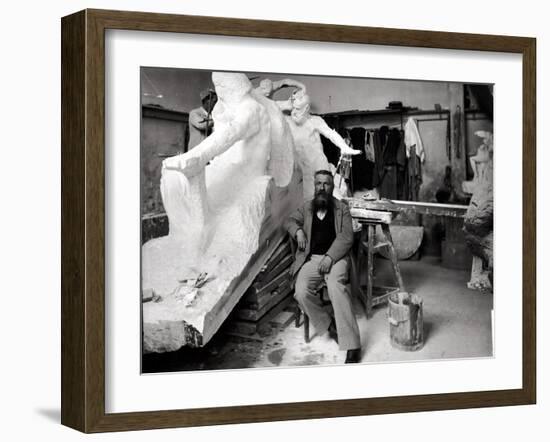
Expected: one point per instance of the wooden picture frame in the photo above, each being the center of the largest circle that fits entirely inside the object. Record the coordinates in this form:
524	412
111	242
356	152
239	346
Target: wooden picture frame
83	220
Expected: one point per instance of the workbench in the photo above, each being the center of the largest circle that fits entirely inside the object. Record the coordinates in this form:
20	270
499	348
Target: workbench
372	213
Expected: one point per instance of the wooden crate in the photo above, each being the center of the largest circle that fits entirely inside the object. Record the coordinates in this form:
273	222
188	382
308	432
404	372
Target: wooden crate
262	326
270	293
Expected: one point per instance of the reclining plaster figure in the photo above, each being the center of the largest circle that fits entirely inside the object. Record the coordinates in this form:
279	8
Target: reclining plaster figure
215	197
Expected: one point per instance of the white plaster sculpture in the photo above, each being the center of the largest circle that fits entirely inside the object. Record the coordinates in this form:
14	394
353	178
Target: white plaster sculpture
478	222
268	87
480	162
226	201
306	130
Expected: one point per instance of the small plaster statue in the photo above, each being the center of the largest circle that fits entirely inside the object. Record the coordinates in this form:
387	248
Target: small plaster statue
306	130
480	162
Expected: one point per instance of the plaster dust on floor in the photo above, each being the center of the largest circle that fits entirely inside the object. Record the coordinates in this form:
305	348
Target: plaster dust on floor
457	324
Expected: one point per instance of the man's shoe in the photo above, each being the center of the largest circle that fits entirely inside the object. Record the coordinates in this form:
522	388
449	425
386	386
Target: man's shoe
353	356
332	333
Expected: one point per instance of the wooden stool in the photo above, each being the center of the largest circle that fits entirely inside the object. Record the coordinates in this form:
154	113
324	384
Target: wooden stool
366	250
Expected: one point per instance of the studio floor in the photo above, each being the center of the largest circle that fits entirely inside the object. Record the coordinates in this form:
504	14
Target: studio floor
457	324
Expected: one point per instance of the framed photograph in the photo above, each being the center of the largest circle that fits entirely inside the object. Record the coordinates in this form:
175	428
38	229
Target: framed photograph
267	221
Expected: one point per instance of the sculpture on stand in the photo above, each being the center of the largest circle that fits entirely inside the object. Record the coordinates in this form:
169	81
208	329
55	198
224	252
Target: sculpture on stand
478	222
226	202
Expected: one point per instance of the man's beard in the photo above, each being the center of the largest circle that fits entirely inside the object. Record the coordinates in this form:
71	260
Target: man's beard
322	201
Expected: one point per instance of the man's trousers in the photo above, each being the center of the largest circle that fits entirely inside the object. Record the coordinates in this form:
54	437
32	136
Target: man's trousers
308	282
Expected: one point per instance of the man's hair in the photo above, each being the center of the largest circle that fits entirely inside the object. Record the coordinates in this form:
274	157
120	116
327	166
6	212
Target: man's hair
325	172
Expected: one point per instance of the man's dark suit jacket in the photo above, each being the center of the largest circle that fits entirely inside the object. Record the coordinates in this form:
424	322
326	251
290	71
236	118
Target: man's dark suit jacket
302	219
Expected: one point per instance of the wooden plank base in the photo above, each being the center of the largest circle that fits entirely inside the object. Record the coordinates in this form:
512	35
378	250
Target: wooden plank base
249	328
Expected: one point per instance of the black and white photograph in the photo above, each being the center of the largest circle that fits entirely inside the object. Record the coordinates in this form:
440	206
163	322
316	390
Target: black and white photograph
295	220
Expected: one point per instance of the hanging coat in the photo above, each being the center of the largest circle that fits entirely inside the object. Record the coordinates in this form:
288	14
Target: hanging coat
412	138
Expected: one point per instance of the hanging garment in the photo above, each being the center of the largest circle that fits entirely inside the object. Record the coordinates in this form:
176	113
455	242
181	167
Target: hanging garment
401	154
378	142
388	186
393	141
370	156
344	166
412	138
369	147
414	176
402	161
361	171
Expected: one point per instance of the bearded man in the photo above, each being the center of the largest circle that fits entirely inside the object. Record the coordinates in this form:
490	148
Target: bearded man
323	231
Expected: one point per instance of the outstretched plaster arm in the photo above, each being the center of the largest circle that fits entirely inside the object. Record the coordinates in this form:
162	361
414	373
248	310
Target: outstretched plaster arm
268	87
333	136
288	82
191	163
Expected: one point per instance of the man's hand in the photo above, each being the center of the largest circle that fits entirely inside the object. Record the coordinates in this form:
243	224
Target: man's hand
208	121
325	265
301	239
